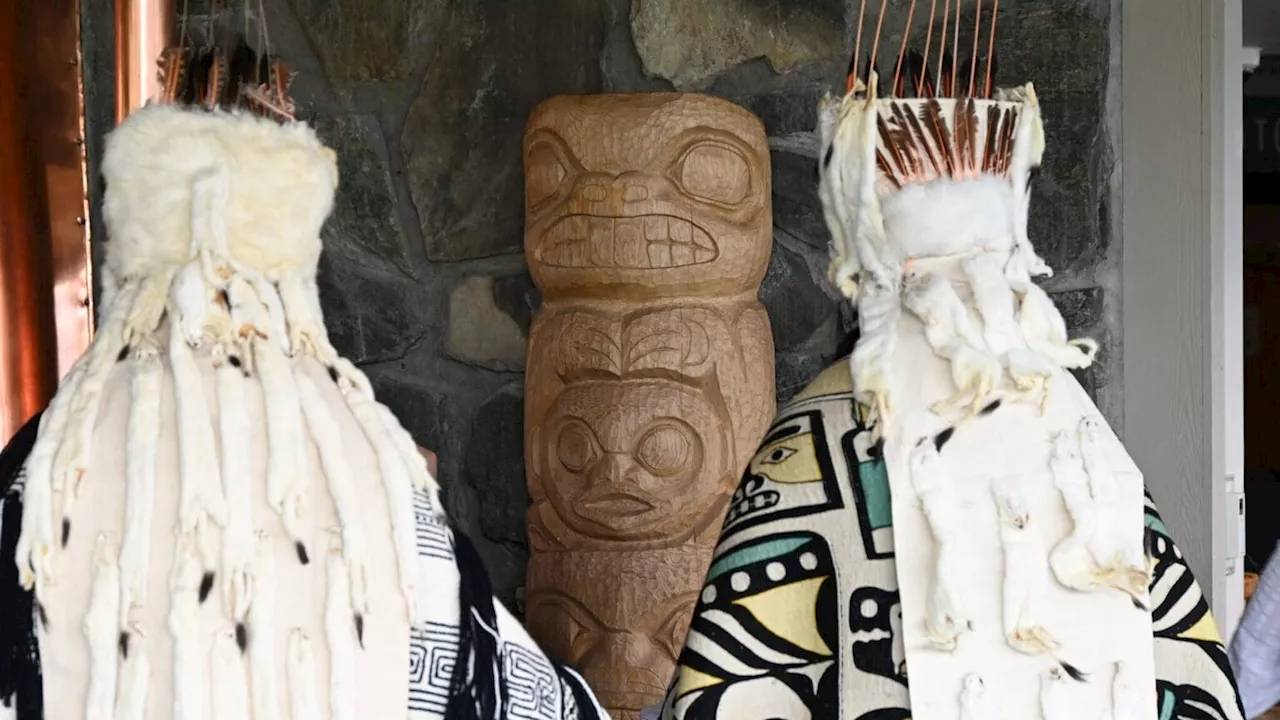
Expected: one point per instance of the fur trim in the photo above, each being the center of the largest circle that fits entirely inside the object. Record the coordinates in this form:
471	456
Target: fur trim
949	217
280	189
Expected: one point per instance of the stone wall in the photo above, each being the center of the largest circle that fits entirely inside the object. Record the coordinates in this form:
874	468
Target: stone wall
423	280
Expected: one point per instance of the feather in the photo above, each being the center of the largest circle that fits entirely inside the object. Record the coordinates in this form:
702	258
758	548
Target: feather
966	127
902	136
172	73
217	80
1004	144
897	168
989	156
937	124
922	141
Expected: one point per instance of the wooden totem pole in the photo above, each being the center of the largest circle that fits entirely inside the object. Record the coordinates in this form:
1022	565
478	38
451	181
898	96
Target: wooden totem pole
650	369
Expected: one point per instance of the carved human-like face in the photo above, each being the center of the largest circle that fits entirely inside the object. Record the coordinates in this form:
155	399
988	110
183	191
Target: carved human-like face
646	195
632	460
624	634
644	648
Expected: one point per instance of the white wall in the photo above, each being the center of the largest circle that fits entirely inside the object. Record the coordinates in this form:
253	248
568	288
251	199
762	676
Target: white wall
1182	173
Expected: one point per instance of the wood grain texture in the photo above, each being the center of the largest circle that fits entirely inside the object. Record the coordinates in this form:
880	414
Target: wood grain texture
650	369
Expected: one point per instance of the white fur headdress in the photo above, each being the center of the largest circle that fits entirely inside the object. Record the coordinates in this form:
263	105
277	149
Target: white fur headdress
937	164
271	184
214	211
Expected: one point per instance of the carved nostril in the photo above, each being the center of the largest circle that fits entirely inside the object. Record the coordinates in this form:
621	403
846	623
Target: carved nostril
635	193
594	193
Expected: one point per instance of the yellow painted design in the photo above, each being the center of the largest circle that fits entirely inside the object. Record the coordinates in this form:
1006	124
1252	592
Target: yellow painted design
835	380
790	460
691	680
1205	629
788	612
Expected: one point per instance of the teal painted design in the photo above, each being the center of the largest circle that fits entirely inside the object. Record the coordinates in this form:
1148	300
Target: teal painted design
1155	523
1167	702
874	476
756	552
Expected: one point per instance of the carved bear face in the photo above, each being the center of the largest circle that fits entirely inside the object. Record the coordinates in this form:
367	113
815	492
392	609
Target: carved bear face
646	196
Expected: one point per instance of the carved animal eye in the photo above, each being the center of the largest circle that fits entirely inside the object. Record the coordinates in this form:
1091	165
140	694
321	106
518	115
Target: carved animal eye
664	449
715	173
576	448
543	174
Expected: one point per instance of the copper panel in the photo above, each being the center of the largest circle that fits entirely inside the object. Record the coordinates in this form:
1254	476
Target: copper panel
28	346
143	29
45	314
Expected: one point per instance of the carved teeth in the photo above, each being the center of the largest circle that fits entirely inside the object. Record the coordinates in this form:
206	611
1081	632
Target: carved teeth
648	242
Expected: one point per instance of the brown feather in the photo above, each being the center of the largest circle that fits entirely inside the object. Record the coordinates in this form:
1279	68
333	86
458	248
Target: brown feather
922	141
172	64
217	80
941	136
989	154
966	124
886	170
904	139
1007	128
894	157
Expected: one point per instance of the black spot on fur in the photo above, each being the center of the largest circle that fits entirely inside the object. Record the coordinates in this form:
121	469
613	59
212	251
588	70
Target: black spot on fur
943	438
66	530
360	629
206	586
1074	672
303	557
224	298
124	645
242	637
333	373
994	406
43	616
124	354
235	361
826	159
1139	604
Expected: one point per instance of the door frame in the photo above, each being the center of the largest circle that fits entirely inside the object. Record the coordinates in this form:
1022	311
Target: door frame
1181	188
